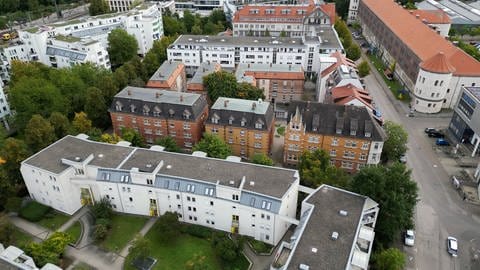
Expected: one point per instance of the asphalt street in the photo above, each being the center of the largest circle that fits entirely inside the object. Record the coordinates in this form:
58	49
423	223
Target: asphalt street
440	212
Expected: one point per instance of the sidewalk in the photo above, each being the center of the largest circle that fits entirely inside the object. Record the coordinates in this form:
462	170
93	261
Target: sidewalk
31	228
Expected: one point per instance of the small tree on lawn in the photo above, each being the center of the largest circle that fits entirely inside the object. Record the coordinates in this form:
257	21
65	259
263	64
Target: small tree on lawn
213	146
169	226
363	69
315	169
389	259
102	209
354	52
140	248
262	159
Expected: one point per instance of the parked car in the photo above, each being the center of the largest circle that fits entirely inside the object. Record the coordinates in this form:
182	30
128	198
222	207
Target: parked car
403	158
442	142
436	134
452	246
429	130
410	238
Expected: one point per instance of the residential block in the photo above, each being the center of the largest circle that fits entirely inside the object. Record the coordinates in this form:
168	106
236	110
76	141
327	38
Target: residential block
169	76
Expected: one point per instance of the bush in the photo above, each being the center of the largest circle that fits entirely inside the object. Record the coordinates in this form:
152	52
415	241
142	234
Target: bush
34	211
100	232
104	222
363	69
197	231
227	249
102	209
13	204
259	246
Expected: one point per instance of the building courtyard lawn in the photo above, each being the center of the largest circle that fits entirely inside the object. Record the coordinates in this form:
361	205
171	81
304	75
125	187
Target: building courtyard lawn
53	220
75	231
21	238
123	229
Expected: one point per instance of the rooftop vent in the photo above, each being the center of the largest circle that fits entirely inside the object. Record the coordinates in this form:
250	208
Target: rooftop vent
314	250
334	236
129	92
148	165
252	183
231	182
343	213
255	41
303	267
100	155
169	166
78	158
189	39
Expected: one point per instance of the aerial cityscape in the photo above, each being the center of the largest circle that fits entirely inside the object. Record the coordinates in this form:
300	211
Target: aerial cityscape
239	134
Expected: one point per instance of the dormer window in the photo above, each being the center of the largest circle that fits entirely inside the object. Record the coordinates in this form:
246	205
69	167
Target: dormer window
338	131
368	134
146	110
259	125
186	114
133	108
156	111
118	106
171	113
353	132
243	122
215	118
230	120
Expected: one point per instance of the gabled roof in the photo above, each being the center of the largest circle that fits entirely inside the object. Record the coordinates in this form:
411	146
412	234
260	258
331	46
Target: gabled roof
438	64
437	16
341	60
344	94
420	38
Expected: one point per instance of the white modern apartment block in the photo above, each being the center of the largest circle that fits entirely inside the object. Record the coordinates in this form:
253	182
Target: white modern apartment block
15	258
4	107
192	50
82	40
201	7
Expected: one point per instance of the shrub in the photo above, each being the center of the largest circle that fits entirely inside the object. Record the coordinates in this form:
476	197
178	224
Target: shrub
34	211
13	204
100	232
105	222
197	231
259	246
363	69
102	209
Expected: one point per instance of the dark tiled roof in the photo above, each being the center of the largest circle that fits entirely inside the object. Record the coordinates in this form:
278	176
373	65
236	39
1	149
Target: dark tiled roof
327	118
324	220
238	110
165	102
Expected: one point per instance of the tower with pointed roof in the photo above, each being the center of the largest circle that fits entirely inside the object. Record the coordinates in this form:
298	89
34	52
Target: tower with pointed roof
432	84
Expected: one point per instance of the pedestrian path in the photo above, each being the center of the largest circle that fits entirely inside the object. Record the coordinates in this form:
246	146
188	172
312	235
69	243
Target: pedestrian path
73	219
30	227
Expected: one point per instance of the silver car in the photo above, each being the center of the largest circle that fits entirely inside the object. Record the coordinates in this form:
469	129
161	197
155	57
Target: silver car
452	246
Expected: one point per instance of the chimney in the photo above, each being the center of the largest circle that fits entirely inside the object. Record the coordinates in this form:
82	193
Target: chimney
157	95
181	98
290	67
254	106
129	92
411	11
417	16
225	103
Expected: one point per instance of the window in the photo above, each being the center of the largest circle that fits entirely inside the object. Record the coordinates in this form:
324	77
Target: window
334	142
105	176
130	199
258	125
191	188
365	144
235	197
146	122
266	205
209	191
211	203
79	172
186	125
124	178
258	135
149	182
333	153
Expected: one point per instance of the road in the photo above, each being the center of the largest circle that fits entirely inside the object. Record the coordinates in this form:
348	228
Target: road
440	211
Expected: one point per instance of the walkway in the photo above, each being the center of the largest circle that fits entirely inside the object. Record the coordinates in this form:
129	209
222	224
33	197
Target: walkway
31	228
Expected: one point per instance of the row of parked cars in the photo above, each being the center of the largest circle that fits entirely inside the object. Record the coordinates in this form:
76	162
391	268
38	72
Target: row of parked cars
435	133
452	243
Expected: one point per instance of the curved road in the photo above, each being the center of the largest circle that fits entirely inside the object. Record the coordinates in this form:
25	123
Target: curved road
440	212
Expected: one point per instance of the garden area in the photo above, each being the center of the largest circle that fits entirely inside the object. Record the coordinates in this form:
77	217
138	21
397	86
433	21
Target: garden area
43	215
123	229
392	84
75	231
177	245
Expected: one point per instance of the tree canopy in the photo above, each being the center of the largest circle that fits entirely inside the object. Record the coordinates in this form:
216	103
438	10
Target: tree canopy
224	84
169	225
169	143
98	7
396	193
140	248
130	135
363	69
39	133
262	159
315	169
389	259
122	47
213	146
396	143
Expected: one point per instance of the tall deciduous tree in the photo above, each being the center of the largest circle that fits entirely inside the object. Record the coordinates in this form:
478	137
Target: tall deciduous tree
169	225
354	52
315	169
389	259
363	69
262	159
122	47
13	152
60	124
248	91
39	133
392	188
97	7
220	84
188	20
396	143
96	108
169	143
213	146
81	123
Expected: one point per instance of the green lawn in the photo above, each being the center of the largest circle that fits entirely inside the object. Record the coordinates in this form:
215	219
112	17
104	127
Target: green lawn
174	255
259	246
53	220
124	228
394	85
75	231
21	239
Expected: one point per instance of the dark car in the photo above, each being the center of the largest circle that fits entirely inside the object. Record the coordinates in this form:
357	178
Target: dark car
428	130
442	142
436	134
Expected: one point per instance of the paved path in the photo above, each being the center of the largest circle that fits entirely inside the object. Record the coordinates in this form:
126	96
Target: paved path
30	228
73	219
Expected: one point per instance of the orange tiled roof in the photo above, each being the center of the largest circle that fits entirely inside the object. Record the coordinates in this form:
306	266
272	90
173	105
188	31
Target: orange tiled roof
438	64
341	60
437	16
245	14
424	42
343	94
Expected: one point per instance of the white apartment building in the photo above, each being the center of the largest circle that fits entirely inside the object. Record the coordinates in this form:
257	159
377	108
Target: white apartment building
82	40
228	195
201	7
15	258
192	50
4	107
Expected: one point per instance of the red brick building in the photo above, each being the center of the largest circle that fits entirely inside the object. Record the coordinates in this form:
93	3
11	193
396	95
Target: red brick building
169	76
159	113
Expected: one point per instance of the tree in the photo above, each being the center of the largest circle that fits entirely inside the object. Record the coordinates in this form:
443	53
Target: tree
140	248
396	143
227	249
315	169
220	84
130	135
262	159
71	86
81	123
112	139
213	146
122	47
60	124
102	209
188	20
395	192
341	28
168	225
151	62
97	7
96	108
39	133
13	152
363	69
389	259
197	30
248	91
169	143
50	250
172	26
354	52
120	76
7	230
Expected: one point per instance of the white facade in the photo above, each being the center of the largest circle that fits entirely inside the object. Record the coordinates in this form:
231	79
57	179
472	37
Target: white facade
121	5
15	258
375	152
233	205
4	107
430	91
230	51
353	11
